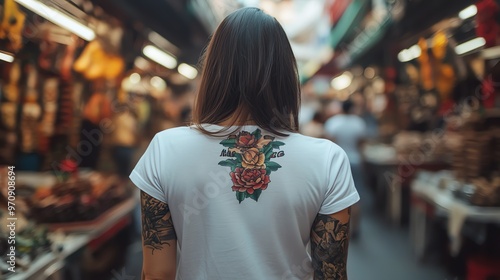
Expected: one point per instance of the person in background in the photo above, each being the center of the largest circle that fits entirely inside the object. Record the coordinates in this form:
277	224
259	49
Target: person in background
97	109
349	131
314	128
240	193
125	138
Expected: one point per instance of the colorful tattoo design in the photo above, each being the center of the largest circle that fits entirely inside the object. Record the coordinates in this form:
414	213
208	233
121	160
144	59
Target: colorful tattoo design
251	163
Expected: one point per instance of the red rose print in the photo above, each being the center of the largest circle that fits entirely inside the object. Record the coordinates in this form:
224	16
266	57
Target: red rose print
249	180
245	140
251	163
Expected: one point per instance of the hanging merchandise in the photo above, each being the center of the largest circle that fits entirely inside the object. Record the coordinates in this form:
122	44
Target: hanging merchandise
11	97
426	80
103	52
66	106
12	24
116	65
65	112
50	93
440	45
31	111
488	92
54	46
9	112
96	110
90	58
98	107
9	108
445	74
48	50
11	89
94	63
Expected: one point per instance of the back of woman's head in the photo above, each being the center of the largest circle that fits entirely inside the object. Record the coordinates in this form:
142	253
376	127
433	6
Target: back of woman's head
347	106
249	74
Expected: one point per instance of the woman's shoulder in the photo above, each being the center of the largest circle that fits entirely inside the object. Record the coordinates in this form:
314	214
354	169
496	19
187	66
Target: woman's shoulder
176	133
315	143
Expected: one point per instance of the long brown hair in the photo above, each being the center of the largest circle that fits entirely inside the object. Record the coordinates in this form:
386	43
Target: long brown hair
249	73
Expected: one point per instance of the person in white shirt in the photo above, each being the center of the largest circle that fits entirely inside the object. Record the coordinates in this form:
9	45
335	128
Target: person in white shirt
315	127
240	194
349	131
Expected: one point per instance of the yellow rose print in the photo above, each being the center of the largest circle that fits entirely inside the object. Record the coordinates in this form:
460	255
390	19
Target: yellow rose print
253	158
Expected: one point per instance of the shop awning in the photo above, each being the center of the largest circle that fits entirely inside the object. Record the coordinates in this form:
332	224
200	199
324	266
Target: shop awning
349	22
364	41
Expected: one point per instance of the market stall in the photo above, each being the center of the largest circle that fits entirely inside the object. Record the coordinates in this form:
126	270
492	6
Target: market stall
75	238
427	90
52	222
441	194
85	85
82	90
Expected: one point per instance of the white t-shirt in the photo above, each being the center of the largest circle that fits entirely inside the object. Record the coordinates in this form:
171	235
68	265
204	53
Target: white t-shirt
347	131
242	206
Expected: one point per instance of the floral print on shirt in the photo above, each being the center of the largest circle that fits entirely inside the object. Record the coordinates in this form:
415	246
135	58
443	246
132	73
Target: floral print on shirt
250	162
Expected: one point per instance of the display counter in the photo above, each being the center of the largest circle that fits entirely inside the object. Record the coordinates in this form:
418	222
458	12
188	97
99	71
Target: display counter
432	196
391	173
57	218
104	228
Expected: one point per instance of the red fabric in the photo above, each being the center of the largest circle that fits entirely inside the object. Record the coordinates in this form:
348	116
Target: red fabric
446	107
487	27
481	268
488	93
109	233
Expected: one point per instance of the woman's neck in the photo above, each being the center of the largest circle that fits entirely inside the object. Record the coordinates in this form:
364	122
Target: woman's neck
240	117
230	122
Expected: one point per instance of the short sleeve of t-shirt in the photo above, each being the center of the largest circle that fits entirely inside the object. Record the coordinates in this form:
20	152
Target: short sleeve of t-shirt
146	173
341	191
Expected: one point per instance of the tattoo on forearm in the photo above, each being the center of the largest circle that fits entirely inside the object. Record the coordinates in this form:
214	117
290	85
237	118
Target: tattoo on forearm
157	226
329	245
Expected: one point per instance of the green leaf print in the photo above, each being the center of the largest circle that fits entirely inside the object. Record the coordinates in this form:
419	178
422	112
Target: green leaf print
267	148
256	194
277	144
257	134
230	143
255	147
240	196
238	157
227	162
268	153
273	166
268	170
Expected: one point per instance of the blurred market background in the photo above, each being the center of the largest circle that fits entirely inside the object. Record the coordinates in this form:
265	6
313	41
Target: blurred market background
85	84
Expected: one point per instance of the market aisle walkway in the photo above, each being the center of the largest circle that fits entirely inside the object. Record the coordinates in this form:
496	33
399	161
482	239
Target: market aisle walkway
382	252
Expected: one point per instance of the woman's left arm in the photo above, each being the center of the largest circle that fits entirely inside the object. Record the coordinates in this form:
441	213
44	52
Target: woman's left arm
159	241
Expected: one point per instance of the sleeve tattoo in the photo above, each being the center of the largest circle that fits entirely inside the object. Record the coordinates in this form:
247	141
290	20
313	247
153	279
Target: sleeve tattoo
329	245
157	225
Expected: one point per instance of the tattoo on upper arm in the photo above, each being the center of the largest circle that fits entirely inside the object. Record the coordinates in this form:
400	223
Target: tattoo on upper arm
157	226
329	245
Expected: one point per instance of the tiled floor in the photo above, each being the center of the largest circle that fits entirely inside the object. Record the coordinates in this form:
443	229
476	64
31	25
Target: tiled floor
382	252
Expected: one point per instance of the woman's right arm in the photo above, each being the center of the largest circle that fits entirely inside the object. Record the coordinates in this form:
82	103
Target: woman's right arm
159	240
329	245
